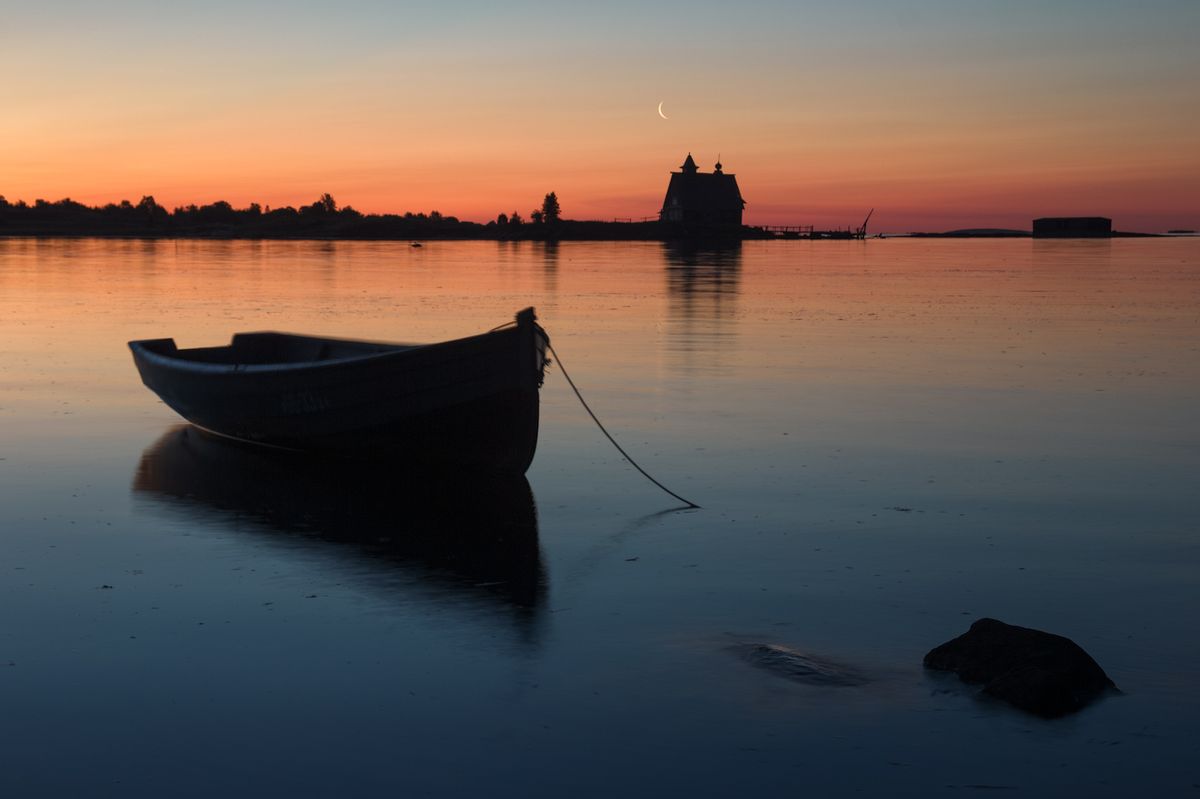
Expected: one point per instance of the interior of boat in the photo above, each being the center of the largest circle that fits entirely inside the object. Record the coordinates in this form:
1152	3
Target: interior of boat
267	348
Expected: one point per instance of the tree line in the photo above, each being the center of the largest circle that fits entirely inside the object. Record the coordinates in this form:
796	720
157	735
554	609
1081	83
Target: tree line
548	214
323	218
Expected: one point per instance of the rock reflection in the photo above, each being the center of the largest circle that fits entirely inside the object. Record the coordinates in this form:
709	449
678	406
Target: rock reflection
703	283
460	540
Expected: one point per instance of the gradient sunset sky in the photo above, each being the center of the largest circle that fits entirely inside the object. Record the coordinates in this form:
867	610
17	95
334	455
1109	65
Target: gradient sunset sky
940	114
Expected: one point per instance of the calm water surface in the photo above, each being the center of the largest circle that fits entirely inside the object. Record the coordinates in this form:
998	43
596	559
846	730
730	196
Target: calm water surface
890	439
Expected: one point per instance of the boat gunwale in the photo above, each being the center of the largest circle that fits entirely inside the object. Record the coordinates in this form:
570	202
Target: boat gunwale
141	351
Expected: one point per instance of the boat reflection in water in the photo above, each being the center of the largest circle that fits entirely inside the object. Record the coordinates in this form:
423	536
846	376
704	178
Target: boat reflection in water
465	540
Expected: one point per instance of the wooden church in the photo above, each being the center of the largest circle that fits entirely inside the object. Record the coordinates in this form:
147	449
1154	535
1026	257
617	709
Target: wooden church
702	201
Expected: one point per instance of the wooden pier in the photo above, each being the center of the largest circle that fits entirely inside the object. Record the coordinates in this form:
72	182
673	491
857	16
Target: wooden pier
807	232
788	231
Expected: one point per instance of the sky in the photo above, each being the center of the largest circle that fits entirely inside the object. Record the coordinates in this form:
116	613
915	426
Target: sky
939	115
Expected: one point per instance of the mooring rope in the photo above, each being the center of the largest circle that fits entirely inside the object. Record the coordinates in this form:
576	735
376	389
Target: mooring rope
608	435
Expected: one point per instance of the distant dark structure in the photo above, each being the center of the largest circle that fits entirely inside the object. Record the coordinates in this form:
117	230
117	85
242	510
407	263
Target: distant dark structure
1072	227
699	202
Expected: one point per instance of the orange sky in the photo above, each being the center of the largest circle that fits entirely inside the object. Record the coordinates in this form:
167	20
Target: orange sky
939	118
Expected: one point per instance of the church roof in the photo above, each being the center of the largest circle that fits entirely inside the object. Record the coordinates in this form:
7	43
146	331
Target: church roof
695	191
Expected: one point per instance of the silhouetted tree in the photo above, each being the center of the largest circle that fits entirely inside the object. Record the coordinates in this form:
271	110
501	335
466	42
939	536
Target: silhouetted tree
502	219
286	212
515	219
220	213
324	205
550	210
535	216
151	211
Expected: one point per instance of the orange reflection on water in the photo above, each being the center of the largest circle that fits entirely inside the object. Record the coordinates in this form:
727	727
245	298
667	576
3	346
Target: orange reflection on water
760	322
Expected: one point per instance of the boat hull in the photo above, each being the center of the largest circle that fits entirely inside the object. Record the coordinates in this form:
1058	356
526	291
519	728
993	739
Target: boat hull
470	403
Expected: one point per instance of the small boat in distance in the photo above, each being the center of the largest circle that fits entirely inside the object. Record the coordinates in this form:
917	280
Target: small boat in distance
468	403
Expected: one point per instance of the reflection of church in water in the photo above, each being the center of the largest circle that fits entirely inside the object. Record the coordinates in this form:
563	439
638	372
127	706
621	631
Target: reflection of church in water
702	217
703	283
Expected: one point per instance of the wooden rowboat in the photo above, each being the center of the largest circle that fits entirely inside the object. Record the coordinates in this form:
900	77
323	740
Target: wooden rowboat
468	403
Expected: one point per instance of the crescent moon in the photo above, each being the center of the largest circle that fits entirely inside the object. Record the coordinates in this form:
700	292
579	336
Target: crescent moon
660	113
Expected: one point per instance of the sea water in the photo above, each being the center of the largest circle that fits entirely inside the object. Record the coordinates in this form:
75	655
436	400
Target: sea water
889	439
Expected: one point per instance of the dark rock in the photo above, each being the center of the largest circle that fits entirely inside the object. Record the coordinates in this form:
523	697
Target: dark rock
1040	673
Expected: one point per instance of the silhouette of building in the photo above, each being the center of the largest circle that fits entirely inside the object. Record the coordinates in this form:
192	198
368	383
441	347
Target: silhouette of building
702	201
1072	227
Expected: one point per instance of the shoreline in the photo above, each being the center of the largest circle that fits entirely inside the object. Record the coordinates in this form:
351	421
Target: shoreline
585	231
699	240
